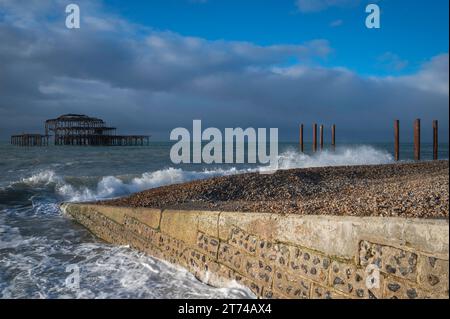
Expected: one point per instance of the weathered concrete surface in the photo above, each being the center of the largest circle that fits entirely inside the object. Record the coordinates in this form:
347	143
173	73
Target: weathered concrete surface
339	236
287	256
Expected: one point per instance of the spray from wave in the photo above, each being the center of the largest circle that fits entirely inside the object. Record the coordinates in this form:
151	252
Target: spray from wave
112	186
361	155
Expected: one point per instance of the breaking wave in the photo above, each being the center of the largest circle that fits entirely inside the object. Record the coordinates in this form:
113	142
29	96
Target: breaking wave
85	189
361	155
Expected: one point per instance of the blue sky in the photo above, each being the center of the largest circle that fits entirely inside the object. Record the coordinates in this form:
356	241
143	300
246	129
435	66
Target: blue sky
411	32
151	66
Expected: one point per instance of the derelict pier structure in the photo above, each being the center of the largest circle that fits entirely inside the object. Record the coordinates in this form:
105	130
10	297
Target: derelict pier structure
79	129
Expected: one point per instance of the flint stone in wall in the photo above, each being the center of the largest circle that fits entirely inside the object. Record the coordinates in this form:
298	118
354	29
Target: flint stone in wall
273	253
207	244
291	286
231	257
353	281
309	264
243	240
393	261
401	289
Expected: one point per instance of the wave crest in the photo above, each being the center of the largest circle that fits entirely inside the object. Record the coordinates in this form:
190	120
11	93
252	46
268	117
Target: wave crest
112	186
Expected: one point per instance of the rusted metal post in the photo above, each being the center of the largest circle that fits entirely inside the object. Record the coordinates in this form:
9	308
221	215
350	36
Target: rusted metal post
314	137
397	140
301	139
333	136
321	137
435	140
417	140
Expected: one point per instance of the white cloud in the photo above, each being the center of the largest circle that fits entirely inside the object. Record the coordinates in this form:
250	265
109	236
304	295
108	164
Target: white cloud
307	6
432	77
336	23
392	62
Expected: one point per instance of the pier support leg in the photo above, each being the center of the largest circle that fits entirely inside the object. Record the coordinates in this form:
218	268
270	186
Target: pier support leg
397	140
417	140
314	137
301	138
435	140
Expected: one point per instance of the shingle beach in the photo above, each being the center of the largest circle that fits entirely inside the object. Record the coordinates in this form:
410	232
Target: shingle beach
404	189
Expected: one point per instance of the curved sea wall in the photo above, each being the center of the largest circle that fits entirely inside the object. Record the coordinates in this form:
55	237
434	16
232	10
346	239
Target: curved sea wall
286	256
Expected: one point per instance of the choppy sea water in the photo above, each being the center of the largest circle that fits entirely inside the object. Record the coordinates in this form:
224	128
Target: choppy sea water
38	243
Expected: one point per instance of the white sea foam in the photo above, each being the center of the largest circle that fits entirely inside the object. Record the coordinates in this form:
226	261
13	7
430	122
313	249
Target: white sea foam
42	177
112	186
9	236
361	155
105	272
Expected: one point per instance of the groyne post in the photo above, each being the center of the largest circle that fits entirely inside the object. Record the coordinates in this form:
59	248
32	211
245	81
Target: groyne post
314	137
397	140
301	138
435	140
333	136
417	140
321	137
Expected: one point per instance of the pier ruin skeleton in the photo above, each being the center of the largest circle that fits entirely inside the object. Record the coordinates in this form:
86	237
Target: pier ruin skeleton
79	129
30	140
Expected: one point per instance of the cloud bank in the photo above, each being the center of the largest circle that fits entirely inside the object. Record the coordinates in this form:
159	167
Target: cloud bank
149	81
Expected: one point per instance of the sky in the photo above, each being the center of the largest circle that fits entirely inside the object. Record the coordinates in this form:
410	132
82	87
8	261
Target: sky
148	67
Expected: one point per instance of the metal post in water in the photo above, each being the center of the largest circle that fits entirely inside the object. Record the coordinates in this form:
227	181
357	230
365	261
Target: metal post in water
417	140
397	140
301	138
314	137
435	140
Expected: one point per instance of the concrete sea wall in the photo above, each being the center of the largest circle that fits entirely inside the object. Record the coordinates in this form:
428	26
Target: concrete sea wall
287	256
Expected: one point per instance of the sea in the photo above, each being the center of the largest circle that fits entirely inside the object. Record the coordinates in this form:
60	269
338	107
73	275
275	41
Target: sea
39	245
